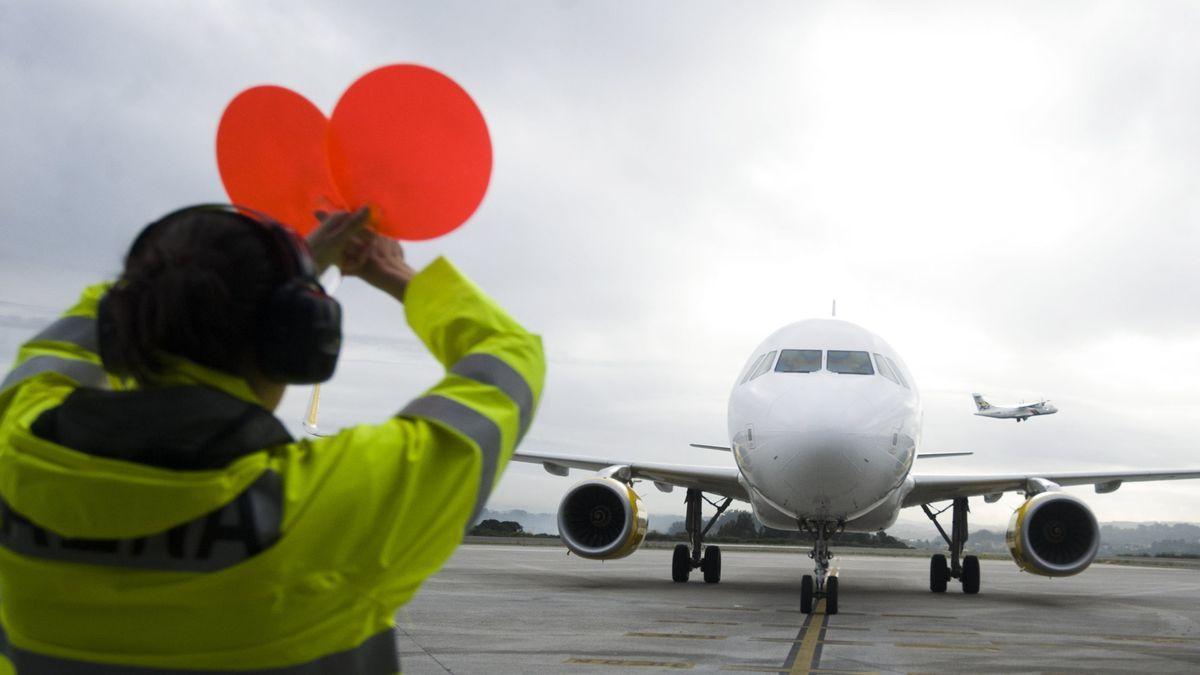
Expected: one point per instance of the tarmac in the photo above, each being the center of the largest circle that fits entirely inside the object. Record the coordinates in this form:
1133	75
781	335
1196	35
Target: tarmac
535	609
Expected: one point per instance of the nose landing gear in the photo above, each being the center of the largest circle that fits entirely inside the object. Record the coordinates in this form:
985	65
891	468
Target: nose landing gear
819	584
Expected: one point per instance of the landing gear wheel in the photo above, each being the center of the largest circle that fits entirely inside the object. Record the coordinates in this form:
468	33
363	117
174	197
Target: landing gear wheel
831	589
806	594
970	575
711	564
681	564
939	573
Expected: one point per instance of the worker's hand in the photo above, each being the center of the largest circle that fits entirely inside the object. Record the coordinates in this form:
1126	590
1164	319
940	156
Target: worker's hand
379	261
337	230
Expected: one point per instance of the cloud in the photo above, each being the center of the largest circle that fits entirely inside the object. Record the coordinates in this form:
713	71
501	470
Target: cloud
1005	193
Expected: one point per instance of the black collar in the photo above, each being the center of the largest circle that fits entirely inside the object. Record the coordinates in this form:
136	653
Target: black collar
182	428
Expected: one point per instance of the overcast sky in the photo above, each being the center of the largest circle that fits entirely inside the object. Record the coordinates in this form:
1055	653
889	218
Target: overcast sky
1008	193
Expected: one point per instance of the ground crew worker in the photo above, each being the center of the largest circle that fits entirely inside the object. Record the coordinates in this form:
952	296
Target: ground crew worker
157	517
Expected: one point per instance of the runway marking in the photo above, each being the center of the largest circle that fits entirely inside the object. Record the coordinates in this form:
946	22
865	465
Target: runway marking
823	642
707	623
806	650
1015	643
683	636
931	631
632	663
1149	638
749	668
831	626
918	616
933	645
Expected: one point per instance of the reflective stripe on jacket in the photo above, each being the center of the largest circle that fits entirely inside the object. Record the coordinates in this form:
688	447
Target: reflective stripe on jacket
293	556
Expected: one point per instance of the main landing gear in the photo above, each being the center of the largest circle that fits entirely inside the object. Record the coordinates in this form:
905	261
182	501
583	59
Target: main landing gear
685	559
819	584
967	571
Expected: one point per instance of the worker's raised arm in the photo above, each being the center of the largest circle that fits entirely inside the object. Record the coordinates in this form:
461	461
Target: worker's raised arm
495	368
399	495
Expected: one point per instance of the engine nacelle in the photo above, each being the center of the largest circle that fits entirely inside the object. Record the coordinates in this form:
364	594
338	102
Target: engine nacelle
1053	534
602	519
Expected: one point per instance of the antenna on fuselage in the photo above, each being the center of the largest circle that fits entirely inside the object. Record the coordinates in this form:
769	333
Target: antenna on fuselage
835	308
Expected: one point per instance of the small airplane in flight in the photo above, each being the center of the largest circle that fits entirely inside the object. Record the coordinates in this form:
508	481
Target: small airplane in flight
824	421
1019	413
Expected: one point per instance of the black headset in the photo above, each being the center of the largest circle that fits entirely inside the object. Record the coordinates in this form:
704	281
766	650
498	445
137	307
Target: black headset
298	334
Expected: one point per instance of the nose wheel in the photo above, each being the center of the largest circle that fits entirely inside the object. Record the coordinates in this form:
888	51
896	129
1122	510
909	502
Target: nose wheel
707	558
819	584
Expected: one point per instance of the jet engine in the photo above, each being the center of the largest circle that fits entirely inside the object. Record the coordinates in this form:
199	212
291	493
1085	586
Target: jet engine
1053	534
602	519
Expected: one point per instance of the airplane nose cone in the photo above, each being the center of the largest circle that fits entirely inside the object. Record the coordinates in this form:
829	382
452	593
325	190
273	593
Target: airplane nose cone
834	458
824	464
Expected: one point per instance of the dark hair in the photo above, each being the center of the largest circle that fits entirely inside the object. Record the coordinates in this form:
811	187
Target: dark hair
191	287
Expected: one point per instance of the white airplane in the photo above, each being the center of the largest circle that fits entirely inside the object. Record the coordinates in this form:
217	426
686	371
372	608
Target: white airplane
1019	413
824	425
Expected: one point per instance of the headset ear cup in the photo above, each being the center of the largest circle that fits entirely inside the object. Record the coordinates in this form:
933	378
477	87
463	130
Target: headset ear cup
299	334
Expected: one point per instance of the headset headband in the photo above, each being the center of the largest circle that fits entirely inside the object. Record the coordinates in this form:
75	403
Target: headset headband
291	250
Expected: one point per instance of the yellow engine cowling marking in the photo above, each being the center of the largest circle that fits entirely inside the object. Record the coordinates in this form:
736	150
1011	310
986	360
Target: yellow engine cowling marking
1013	536
640	524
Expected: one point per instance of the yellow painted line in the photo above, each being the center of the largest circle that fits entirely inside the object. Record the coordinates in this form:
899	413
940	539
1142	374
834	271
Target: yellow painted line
631	663
807	653
684	636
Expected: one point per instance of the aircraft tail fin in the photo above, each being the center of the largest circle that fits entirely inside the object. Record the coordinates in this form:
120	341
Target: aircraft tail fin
980	403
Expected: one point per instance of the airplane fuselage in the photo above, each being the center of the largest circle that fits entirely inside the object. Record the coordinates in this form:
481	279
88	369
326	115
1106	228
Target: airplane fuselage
1018	412
824	423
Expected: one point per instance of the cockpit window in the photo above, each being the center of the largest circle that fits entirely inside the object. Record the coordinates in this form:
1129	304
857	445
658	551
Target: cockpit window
753	368
765	365
799	361
884	369
850	363
896	370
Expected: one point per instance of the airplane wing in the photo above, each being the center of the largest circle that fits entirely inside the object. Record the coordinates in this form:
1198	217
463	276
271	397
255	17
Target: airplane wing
932	488
715	479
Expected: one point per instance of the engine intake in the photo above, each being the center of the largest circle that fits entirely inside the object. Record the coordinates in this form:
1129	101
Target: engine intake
1053	534
602	519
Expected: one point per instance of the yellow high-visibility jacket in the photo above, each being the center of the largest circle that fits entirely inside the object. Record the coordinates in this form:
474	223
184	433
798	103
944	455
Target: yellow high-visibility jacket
215	541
